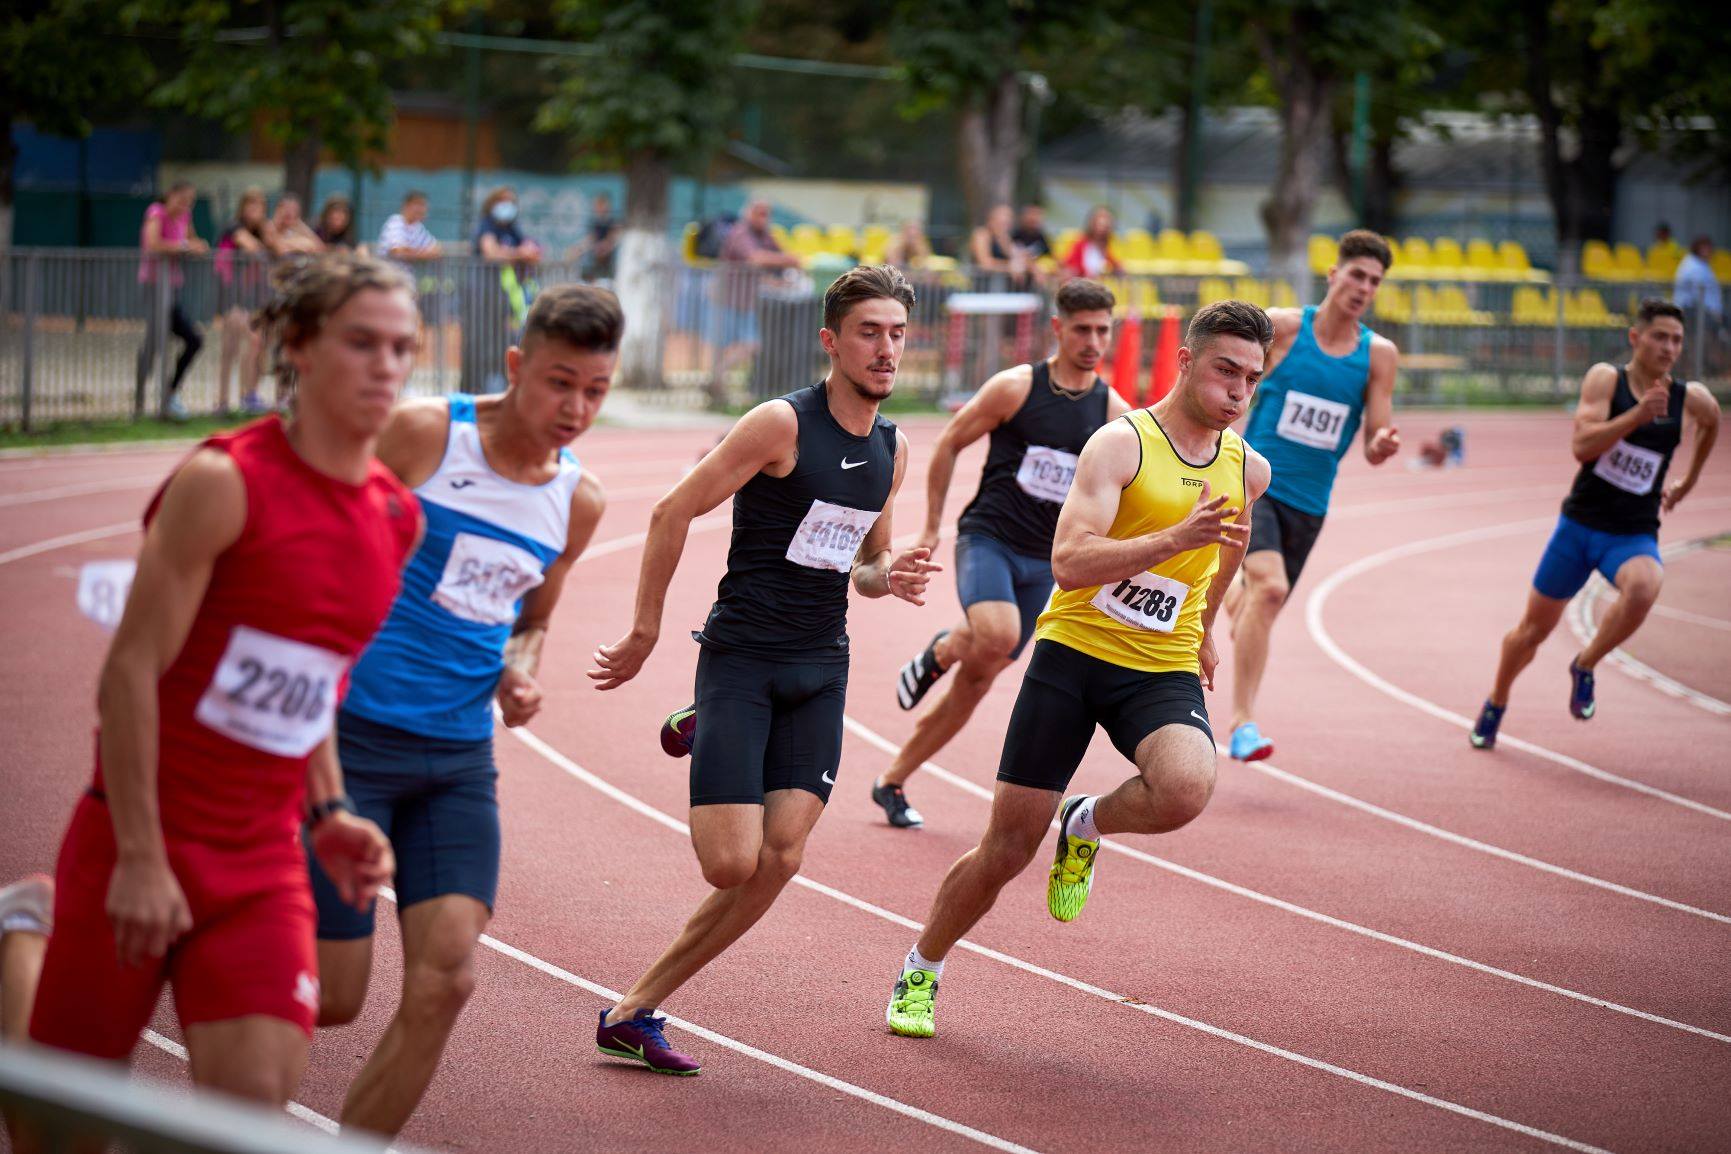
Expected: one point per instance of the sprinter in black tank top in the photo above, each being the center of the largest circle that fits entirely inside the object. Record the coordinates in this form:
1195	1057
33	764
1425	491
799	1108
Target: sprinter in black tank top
1038	416
1627	426
813	476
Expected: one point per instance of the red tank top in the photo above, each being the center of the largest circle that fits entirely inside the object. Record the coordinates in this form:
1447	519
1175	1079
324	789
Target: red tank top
289	607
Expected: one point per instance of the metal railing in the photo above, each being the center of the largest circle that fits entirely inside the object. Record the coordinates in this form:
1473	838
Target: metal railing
89	334
67	1103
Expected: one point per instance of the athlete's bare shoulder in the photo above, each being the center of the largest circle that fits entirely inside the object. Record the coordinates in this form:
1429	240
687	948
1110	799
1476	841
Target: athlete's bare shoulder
1381	348
202	509
1006	391
1599	380
1286	321
413	441
1699	402
1257	473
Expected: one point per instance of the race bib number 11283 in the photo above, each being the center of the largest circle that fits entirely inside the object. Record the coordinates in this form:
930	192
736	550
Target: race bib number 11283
1145	601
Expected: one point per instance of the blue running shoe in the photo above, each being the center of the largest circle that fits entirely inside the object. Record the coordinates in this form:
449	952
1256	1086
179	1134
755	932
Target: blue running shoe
1581	692
1484	734
679	731
1248	744
640	1039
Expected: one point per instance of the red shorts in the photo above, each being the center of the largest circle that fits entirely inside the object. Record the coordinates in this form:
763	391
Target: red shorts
251	949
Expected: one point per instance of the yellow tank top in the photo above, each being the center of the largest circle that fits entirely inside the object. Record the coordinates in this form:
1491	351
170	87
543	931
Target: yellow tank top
1153	621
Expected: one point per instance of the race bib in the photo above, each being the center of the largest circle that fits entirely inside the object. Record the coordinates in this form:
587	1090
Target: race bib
830	536
1046	473
484	578
102	590
1312	421
272	693
1629	467
1146	601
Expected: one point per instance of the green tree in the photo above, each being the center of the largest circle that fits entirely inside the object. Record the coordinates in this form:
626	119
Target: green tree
59	69
654	99
312	74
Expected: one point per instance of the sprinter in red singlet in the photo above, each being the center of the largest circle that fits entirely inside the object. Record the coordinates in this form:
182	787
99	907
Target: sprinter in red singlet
270	558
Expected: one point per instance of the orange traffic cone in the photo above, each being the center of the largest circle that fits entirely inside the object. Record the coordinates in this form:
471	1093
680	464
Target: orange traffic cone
1165	373
1127	360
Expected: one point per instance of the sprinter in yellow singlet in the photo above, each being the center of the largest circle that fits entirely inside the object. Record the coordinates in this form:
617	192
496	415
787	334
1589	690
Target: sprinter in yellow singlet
1150	537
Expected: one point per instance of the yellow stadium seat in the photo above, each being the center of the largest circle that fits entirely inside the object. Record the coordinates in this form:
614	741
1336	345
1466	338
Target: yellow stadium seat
1213	289
1065	241
1483	262
1596	259
1144	296
688	245
1137	244
1663	257
1173	245
1630	264
1513	256
1323	250
875	234
1721	264
1393	304
805	239
1282	296
1252	290
780	235
1206	246
840	238
1446	257
1415	253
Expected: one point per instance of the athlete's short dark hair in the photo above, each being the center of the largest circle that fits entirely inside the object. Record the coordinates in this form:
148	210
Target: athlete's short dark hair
1229	319
866	282
583	316
1084	296
1363	242
1652	308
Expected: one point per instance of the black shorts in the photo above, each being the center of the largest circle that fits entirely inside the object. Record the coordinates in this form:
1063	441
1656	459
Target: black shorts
1285	530
1066	693
764	725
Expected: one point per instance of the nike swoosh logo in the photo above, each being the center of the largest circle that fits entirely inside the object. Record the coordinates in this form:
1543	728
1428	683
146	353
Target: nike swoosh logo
828	776
464	483
846	464
1198	717
638	1050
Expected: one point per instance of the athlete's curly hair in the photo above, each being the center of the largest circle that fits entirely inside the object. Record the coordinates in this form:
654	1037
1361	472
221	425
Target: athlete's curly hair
306	292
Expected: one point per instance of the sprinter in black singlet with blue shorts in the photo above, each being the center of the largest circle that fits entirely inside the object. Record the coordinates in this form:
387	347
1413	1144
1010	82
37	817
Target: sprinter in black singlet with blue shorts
1627	426
1038	416
813	476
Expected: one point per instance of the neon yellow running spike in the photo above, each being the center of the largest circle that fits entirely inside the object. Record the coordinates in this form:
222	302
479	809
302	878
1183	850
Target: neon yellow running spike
910	1009
1072	875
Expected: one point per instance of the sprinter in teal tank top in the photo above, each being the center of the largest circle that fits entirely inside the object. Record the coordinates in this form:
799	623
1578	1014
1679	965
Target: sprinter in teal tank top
1328	374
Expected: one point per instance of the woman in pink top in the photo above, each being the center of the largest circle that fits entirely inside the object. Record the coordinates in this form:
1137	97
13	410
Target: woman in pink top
165	237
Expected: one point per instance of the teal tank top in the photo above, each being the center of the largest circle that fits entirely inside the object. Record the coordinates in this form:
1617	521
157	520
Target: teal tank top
1305	415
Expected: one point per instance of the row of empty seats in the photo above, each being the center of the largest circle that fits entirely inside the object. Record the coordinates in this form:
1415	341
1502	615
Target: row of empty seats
1581	309
1168	253
1625	262
1439	305
1276	294
1444	258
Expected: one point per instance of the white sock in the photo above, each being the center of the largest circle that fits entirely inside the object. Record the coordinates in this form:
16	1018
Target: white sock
1082	820
918	961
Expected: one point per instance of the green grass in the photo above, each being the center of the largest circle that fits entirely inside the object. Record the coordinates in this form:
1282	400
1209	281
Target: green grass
113	432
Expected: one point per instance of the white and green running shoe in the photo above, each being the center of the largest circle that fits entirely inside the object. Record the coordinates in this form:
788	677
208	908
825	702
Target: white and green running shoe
1072	873
910	1009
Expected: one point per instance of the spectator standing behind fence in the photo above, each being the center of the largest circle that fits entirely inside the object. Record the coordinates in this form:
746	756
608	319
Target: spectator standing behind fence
994	250
242	250
405	238
749	252
1030	232
293	233
336	226
1696	289
164	238
602	240
496	291
1092	255
910	251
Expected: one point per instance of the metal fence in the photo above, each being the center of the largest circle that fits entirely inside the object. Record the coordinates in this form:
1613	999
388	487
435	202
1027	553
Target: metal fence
90	334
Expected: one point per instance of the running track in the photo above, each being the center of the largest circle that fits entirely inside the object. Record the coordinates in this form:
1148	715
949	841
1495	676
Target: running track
1380	940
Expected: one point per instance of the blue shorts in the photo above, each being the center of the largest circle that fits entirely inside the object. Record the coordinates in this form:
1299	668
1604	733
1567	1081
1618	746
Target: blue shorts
438	803
988	570
1575	551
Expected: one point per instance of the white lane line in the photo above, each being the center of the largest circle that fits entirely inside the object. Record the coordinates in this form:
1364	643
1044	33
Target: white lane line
633	540
1691	618
304	1113
1582	624
639	806
871	737
69	539
82	489
1313	619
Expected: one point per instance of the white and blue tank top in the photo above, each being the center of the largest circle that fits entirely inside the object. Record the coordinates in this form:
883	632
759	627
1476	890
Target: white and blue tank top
434	666
1305	415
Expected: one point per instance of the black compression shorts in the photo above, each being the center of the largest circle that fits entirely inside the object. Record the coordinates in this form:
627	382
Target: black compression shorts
764	725
1280	527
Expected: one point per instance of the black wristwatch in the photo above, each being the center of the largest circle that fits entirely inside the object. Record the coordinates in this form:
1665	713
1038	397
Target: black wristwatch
318	811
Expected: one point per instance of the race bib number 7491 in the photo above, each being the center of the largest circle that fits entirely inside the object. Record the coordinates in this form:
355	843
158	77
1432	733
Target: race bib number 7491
1312	420
272	693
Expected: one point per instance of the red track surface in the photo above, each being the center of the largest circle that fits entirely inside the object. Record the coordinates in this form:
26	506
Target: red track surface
1382	940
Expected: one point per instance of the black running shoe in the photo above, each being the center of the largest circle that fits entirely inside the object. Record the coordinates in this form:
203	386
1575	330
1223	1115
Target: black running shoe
919	675
896	807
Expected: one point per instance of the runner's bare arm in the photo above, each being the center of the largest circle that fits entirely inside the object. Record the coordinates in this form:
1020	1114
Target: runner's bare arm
875	573
1084	553
353	851
1286	325
202	513
1256	477
519	693
1381	438
1116	405
1595	429
1701	409
765	439
996	402
412	443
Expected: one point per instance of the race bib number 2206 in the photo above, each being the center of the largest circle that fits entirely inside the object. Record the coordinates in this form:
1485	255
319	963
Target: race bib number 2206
272	693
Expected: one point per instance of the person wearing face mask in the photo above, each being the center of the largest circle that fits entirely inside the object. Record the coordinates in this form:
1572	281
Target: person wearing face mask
497	290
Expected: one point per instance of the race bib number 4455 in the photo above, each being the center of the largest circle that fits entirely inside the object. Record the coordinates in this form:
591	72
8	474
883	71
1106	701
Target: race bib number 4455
1046	473
1312	421
1146	601
829	537
1629	467
272	693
